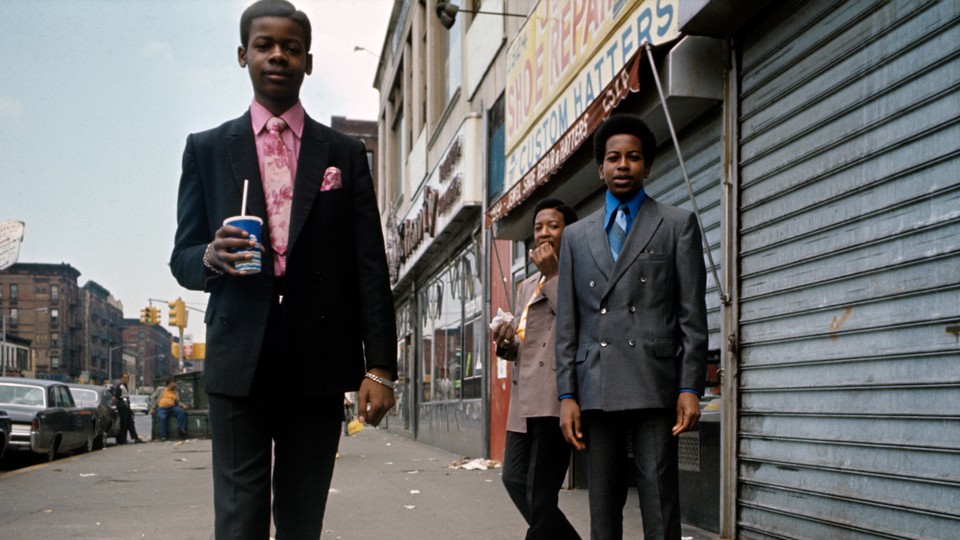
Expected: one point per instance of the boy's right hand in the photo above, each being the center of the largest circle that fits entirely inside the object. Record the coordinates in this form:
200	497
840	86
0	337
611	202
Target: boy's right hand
227	239
570	423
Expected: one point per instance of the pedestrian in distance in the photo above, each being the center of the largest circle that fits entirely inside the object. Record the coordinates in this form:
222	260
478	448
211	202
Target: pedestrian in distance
164	401
631	336
536	456
316	321
121	398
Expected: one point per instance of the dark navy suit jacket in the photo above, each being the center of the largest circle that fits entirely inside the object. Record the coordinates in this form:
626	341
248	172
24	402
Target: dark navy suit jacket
338	306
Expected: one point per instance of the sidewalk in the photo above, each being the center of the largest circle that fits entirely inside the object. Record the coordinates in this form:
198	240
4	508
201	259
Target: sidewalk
385	486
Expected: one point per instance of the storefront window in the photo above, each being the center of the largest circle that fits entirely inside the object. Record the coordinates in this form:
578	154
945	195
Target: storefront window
451	360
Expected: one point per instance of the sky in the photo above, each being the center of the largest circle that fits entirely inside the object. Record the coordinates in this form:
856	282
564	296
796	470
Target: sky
97	98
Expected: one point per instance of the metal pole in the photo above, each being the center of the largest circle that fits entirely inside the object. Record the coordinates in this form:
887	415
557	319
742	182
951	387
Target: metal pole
3	351
181	349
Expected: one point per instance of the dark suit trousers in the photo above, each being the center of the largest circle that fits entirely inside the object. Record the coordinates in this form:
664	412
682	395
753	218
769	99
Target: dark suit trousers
300	437
534	466
655	456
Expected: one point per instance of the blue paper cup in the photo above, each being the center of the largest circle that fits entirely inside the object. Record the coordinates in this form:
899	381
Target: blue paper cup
252	225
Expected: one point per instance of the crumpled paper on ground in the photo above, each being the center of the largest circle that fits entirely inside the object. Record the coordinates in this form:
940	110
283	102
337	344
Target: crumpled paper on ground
474	464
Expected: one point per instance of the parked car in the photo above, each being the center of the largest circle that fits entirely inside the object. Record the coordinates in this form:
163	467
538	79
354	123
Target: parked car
99	398
5	427
140	403
45	418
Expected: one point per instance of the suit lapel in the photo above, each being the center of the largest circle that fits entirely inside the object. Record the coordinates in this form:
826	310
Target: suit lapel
313	160
598	243
646	224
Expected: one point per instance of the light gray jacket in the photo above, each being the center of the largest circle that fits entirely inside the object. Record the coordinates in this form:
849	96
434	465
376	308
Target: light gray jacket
631	334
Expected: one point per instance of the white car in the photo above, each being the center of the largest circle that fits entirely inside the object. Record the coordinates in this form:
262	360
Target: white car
140	404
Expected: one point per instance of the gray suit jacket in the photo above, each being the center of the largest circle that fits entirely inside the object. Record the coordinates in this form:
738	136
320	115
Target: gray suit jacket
533	393
631	334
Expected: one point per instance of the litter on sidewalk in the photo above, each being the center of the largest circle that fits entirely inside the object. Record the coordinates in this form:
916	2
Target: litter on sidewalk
477	464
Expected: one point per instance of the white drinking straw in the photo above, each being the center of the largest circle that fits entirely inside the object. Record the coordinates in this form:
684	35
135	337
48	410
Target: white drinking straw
243	205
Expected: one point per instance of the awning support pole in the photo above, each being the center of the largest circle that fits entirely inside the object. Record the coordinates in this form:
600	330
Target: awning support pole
676	145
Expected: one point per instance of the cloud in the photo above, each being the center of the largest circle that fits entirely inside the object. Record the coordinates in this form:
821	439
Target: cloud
10	108
157	51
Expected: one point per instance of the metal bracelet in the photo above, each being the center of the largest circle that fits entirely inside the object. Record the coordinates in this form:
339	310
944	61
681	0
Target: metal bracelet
206	260
381	380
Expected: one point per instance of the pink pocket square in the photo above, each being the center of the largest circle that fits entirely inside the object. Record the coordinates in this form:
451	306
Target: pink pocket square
331	179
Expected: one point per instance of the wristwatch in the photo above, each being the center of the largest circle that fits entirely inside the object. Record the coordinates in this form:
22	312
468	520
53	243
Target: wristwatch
378	379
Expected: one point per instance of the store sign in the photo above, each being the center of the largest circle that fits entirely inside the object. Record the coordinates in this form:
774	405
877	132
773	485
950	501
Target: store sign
565	55
11	233
627	81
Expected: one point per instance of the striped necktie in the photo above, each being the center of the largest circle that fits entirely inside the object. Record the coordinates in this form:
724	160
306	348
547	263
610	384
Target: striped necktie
618	230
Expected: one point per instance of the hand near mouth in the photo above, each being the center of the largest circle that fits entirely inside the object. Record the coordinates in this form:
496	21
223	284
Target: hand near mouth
545	258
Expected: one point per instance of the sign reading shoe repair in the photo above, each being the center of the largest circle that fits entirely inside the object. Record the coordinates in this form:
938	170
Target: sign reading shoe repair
561	61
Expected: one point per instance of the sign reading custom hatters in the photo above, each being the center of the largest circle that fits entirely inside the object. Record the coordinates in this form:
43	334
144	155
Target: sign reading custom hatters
11	233
627	81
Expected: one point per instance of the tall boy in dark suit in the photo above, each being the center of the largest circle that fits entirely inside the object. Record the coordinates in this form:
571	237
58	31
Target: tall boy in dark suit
285	343
631	336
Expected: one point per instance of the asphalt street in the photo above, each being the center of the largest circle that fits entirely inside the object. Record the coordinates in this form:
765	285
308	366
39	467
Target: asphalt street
385	486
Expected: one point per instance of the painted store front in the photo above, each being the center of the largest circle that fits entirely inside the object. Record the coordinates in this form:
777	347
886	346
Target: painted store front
818	143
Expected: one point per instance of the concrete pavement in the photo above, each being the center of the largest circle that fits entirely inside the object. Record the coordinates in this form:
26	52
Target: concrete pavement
385	486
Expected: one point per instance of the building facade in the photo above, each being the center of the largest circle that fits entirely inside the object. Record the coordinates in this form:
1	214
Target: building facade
440	89
102	346
817	142
41	303
147	352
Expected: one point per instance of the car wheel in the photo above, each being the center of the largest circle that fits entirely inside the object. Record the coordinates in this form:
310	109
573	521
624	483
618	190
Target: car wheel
52	453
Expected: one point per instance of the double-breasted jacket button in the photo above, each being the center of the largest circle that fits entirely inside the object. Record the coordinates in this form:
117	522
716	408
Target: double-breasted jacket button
632	343
603	343
593	283
603	311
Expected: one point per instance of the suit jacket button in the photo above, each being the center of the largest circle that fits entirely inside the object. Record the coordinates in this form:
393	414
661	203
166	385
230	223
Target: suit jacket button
633	309
541	363
592	283
603	343
643	279
603	311
224	319
632	343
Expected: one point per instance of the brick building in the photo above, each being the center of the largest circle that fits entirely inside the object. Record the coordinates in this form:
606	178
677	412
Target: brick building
148	348
41	303
101	323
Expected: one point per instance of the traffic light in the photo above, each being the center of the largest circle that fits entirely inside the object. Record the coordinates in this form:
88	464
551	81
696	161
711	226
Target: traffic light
178	313
154	315
145	316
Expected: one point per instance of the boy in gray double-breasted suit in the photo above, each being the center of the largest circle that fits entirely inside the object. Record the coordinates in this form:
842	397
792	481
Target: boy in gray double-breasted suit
631	335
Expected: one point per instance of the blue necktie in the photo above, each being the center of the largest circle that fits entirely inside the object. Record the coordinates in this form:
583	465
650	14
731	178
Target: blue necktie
618	230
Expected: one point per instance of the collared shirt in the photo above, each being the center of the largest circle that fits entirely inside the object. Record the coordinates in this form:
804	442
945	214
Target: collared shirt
294	117
633	204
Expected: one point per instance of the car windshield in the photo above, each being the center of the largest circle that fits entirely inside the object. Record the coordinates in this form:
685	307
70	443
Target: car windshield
84	397
21	394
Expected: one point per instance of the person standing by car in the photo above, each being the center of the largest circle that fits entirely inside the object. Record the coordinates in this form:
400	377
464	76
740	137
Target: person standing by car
121	396
536	455
164	401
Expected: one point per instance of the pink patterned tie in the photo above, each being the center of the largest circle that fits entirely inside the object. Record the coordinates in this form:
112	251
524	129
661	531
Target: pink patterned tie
278	188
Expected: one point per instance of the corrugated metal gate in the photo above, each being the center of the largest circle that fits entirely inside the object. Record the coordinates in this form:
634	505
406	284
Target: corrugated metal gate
849	421
700	143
